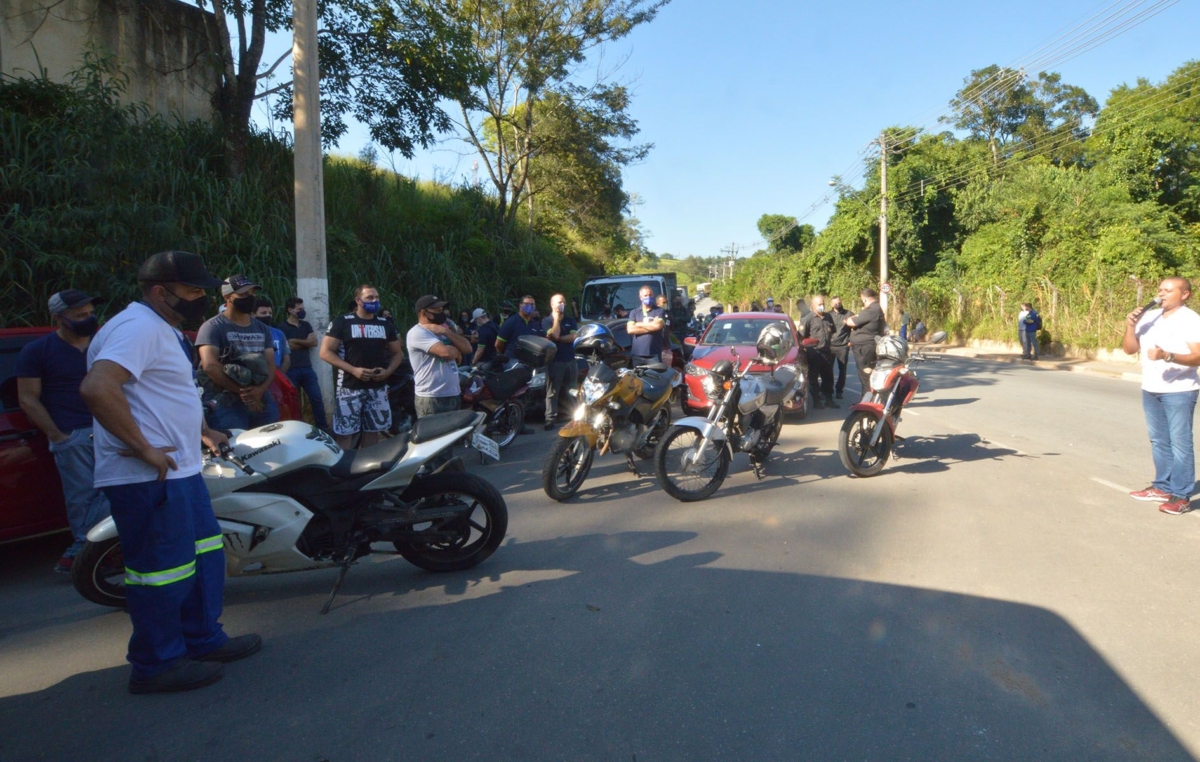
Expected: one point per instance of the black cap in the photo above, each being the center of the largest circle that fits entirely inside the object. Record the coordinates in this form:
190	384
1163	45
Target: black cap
236	284
177	267
69	299
429	302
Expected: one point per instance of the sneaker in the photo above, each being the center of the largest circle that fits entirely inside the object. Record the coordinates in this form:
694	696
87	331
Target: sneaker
1176	505
830	403
64	565
234	649
837	395
549	425
1151	495
184	675
818	405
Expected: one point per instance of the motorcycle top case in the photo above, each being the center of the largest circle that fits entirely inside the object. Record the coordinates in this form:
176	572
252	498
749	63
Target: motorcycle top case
537	351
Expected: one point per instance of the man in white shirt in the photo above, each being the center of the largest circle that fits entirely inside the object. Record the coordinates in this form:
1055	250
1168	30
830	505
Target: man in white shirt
435	351
149	427
1168	339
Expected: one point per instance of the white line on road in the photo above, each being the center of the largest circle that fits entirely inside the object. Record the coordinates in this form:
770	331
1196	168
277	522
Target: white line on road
1107	483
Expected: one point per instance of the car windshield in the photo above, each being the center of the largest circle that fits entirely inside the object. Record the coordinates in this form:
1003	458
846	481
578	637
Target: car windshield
727	332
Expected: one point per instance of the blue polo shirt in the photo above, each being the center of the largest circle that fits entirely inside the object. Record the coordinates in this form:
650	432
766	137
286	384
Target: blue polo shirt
565	349
517	326
648	344
61	367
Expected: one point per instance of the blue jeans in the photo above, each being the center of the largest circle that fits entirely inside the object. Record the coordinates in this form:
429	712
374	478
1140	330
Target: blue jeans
86	506
1169	421
236	416
174	571
1029	345
306	380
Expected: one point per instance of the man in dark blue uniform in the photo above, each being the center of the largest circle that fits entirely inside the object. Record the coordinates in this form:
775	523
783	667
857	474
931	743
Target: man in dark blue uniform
646	326
560	375
520	324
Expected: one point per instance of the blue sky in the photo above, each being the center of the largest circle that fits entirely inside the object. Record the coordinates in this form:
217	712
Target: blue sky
753	107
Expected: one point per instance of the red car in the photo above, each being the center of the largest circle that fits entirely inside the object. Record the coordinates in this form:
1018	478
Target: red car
739	331
31	500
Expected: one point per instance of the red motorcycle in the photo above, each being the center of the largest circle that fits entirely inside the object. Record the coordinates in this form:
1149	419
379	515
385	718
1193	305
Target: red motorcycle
864	446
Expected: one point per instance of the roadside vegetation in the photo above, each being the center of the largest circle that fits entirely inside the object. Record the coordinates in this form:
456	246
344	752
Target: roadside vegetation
1038	195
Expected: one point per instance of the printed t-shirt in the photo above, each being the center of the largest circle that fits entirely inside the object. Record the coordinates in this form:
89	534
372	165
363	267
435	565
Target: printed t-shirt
162	395
61	367
364	344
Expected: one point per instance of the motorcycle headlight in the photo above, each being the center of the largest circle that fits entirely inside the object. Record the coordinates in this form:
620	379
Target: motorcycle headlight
710	386
694	370
879	378
593	390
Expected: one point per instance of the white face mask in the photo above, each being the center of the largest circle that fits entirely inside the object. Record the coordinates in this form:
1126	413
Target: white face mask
820	308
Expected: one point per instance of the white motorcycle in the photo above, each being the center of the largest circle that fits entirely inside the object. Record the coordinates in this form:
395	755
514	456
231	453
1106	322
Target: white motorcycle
289	499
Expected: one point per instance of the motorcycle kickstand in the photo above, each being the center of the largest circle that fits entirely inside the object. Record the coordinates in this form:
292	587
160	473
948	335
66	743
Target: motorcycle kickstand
338	584
632	466
760	469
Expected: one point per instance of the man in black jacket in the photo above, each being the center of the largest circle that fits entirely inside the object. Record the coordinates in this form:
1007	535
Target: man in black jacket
865	325
818	324
839	344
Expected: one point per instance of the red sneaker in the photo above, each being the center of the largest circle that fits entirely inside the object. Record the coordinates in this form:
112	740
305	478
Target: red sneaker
1151	495
1176	506
64	565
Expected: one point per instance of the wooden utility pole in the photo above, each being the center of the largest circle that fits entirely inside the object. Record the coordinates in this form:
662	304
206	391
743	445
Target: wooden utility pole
312	279
883	235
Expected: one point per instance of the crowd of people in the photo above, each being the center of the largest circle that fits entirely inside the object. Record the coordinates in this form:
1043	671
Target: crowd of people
127	406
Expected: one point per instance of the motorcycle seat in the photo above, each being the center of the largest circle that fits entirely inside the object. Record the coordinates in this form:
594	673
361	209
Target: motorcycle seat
441	424
377	457
504	385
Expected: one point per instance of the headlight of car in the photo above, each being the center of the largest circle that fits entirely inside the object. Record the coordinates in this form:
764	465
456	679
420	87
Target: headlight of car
593	390
695	370
711	387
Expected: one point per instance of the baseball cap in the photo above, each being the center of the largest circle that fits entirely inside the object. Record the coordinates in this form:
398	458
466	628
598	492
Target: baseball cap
177	267
478	313
69	299
429	302
770	300
236	284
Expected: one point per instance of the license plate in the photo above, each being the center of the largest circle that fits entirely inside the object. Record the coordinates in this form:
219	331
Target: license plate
485	445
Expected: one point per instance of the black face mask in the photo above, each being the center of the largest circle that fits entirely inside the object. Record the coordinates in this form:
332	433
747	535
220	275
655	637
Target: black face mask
188	309
300	314
86	327
244	304
437	318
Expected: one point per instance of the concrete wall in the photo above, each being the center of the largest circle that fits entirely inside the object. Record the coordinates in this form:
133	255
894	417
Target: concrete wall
162	46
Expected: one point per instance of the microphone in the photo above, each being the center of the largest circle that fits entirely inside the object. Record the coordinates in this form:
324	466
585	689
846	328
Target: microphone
1155	302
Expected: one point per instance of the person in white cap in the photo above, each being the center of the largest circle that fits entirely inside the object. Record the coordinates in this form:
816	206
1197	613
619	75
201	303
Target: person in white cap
49	371
231	338
485	336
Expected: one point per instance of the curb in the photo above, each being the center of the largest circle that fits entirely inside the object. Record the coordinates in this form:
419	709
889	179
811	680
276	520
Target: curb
961	351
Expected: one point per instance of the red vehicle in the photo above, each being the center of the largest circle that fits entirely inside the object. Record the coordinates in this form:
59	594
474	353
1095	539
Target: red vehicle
31	500
739	331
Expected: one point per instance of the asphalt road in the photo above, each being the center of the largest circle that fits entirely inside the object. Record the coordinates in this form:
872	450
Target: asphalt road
993	594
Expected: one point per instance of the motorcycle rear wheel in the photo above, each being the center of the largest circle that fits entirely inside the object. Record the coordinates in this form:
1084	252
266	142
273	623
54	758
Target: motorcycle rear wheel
505	423
568	465
854	444
477	533
676	450
98	573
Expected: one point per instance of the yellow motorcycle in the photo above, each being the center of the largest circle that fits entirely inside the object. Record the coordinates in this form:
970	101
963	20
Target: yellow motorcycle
621	410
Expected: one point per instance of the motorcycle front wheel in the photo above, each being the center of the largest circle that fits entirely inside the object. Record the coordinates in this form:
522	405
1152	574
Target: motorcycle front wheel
567	467
505	423
98	572
461	542
854	444
678	472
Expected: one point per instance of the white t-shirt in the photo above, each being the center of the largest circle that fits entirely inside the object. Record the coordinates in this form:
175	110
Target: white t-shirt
432	376
1171	335
161	392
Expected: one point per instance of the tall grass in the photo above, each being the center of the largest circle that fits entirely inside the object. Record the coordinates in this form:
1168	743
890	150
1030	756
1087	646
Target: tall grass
89	188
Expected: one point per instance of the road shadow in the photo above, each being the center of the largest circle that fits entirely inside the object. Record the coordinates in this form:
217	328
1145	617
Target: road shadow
941	402
627	647
938	452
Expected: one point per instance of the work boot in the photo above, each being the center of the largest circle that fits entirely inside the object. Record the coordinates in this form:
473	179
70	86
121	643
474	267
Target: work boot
234	649
184	675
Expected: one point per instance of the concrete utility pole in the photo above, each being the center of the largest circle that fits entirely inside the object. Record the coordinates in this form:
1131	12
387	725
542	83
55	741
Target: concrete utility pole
883	235
312	280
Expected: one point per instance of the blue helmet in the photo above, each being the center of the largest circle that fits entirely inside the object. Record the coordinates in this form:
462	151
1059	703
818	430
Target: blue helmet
595	337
